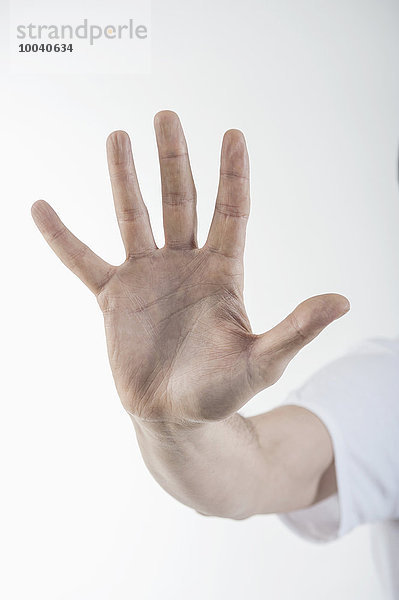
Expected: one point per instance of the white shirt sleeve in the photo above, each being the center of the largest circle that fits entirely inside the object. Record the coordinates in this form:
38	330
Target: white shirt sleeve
357	399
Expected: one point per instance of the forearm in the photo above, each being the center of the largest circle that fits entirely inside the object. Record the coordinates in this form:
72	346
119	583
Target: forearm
239	467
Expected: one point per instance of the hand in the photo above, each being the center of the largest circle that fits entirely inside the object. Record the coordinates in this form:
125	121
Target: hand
179	340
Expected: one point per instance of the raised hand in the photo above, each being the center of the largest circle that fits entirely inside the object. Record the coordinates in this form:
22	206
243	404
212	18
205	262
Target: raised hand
179	341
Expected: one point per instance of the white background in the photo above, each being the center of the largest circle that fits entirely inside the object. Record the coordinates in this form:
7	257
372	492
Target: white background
314	85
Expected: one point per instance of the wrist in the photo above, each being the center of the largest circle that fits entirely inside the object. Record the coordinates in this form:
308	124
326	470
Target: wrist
172	432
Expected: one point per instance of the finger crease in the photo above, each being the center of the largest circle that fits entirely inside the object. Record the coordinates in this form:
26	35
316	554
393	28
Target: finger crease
233	175
142	254
230	211
297	327
217	251
130	214
58	233
178	199
173	155
106	280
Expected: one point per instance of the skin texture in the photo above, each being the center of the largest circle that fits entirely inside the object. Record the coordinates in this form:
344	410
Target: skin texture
180	345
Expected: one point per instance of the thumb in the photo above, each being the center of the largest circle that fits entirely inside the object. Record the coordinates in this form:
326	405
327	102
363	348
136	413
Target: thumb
273	350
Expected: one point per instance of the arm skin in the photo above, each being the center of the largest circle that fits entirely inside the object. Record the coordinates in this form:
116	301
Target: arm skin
276	462
279	461
180	344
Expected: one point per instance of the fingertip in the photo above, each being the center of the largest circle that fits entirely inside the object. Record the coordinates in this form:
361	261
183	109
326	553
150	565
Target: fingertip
117	134
317	312
234	136
343	303
36	206
164	117
168	129
234	145
40	209
118	142
169	134
44	215
339	305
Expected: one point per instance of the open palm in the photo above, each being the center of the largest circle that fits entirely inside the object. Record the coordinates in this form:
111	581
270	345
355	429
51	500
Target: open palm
179	340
